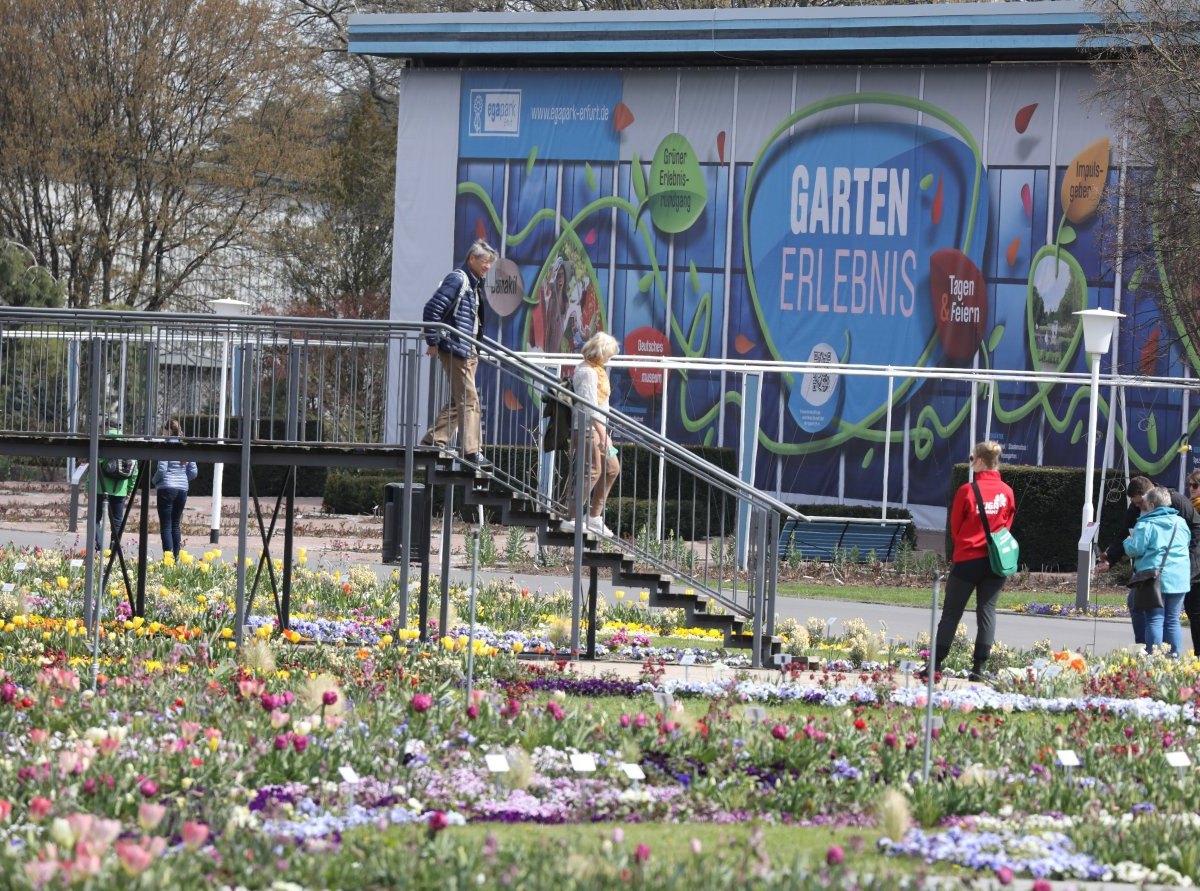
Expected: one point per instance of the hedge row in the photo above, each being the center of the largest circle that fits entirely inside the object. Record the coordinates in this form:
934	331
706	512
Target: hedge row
1049	514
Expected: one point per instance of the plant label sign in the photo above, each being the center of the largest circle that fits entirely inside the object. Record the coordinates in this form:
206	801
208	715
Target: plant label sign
1178	759
76	562
348	773
496	763
687	659
664	700
583	762
633	771
756	714
782	660
20	566
1067	758
932	723
6	587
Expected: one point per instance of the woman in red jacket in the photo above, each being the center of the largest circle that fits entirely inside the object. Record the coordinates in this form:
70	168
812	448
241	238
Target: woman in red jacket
972	572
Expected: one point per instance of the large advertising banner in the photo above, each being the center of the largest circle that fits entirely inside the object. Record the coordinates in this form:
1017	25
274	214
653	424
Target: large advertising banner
931	217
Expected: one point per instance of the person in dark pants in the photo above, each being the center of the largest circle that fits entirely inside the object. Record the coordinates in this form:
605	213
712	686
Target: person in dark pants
118	477
972	572
171	480
1136	490
459	302
1191	603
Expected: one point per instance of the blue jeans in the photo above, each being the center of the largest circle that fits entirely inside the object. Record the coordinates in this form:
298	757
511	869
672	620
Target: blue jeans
1162	625
170	514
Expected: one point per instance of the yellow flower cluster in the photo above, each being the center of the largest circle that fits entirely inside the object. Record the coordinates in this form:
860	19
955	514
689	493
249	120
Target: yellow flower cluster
459	644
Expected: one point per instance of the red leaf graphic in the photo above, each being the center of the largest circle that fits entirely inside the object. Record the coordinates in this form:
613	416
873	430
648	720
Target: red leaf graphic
743	344
938	201
1027	199
1014	248
480	229
590	238
721	146
1024	116
1148	356
622	117
511	402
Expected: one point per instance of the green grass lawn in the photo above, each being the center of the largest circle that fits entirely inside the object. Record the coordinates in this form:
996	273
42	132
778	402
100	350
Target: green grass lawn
920	596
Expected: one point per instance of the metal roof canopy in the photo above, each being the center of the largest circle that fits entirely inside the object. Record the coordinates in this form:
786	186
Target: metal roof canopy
1048	30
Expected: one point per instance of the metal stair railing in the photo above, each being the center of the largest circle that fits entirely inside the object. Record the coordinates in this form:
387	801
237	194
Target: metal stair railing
671	511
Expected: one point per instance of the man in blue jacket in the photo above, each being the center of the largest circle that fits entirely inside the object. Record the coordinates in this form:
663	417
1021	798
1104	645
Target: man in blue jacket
459	302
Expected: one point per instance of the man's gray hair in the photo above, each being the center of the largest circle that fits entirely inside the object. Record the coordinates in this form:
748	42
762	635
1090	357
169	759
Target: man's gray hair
1157	497
481	249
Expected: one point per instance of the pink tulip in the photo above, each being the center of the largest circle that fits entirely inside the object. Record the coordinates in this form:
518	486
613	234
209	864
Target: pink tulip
1004	875
150	815
642	853
81	825
134	858
329	697
835	856
105	832
188	730
39	808
279	718
438	821
5	810
421	702
40	872
148	788
300	743
1041	885
779	731
194	834
38	736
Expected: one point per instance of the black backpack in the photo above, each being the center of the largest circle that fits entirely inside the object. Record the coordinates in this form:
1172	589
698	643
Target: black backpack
558	411
119	468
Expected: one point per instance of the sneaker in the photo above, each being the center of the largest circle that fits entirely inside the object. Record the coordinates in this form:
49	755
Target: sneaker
596	524
480	460
567	526
427	442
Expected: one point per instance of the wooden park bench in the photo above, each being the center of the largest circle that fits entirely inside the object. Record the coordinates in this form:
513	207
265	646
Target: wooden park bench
826	539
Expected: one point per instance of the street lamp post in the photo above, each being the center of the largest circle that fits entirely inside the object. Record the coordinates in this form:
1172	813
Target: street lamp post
1098	327
223	307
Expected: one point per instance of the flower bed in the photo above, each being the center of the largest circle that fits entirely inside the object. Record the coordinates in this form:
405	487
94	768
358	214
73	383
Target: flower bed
194	763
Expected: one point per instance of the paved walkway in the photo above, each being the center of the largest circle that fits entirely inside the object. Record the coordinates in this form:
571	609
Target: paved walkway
342	541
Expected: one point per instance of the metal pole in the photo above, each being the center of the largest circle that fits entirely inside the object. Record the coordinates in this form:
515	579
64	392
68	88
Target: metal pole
1083	573
244	521
218	478
931	671
91	580
471	610
411	362
580	423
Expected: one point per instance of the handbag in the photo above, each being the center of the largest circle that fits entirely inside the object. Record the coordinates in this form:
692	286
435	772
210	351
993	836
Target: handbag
1146	584
1003	550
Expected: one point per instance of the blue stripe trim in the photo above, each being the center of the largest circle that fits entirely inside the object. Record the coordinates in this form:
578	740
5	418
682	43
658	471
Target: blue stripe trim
1056	25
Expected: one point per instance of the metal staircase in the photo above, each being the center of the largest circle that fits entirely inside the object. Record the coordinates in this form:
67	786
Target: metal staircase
720	571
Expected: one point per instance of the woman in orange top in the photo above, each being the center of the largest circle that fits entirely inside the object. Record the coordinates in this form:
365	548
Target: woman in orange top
972	572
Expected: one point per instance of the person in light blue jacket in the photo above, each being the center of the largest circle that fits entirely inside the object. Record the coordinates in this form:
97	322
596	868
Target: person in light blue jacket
171	479
1149	539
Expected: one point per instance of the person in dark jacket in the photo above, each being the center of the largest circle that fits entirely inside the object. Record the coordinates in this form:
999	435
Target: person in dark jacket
972	572
1136	490
459	302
